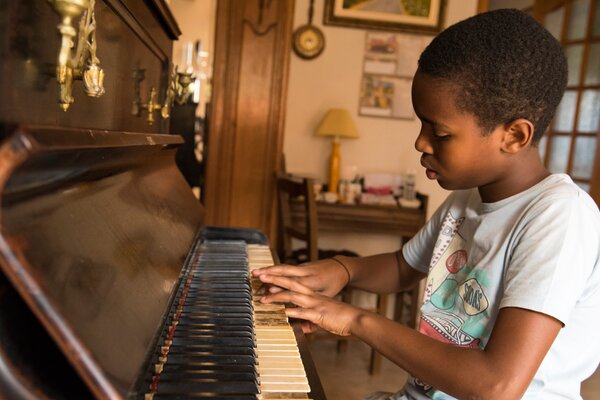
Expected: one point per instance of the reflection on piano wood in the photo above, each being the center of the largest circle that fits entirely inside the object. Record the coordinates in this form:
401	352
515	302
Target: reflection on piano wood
112	287
221	342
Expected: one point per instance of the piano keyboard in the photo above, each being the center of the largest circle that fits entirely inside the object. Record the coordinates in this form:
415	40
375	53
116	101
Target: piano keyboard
219	341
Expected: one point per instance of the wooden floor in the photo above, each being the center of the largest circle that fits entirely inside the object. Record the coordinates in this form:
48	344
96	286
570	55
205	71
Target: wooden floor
345	374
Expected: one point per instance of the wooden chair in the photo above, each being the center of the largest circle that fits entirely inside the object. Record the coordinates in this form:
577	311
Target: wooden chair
301	190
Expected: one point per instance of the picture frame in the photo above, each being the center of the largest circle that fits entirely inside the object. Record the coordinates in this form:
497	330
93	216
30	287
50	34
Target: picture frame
386	97
389	63
418	16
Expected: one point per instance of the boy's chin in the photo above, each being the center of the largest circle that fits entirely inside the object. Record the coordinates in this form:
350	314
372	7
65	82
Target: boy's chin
448	185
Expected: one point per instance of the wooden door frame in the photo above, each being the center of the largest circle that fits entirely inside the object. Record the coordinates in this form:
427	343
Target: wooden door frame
245	139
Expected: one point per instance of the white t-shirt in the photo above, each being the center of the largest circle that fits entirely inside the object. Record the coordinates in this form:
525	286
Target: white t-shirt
537	250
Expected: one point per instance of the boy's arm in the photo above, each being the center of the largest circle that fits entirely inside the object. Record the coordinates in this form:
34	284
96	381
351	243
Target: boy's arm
382	273
503	370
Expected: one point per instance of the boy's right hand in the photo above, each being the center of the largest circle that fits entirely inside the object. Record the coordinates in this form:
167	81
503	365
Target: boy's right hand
326	277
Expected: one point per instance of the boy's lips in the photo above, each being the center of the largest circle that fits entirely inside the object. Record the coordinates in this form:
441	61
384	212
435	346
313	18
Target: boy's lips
431	174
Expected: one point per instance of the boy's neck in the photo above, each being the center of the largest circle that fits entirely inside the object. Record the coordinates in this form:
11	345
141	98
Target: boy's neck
524	174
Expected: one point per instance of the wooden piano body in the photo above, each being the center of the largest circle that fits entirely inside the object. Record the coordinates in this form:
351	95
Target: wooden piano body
95	230
96	221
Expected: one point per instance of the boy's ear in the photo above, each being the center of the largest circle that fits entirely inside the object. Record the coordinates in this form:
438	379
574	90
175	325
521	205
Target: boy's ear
518	134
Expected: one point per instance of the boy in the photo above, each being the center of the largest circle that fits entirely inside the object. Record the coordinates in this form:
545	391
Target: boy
512	298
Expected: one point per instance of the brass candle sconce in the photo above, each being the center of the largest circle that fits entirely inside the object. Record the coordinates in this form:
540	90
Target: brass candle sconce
180	86
84	64
177	92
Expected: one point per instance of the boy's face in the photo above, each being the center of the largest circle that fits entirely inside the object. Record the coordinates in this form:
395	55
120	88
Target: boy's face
454	149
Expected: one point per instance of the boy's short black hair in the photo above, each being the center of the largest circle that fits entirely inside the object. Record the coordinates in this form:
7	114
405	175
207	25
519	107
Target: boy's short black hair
506	66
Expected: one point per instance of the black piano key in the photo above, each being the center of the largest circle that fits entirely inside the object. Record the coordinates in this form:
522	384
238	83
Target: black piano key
211	247
211	396
221	257
224	294
200	313
191	334
215	287
216	277
194	348
208	299
218	261
219	341
237	264
191	326
218	321
195	302
213	368
214	376
207	359
223	273
196	388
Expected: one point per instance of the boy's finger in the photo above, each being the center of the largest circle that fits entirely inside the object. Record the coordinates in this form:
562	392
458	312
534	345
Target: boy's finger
287	283
281	270
286	296
307	314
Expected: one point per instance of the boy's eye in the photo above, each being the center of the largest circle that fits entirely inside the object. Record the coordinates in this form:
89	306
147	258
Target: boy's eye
440	136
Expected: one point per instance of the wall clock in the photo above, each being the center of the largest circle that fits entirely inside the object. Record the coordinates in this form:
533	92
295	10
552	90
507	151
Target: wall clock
308	40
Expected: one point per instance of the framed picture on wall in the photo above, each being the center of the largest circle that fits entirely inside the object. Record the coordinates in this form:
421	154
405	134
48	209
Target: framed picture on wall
385	96
416	16
389	65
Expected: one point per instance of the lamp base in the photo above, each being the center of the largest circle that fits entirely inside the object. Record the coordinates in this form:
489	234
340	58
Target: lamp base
334	166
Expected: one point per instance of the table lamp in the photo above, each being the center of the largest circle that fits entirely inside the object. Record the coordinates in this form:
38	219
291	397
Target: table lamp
337	123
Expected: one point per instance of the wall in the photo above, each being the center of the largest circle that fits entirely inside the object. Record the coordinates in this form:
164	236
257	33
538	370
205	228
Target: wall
332	80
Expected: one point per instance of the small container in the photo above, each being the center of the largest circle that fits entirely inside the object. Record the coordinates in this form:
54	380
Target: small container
409	192
351	193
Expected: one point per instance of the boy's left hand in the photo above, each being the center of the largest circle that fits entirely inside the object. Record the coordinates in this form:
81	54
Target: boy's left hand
322	311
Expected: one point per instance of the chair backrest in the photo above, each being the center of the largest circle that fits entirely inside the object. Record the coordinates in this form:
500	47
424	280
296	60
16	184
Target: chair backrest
295	192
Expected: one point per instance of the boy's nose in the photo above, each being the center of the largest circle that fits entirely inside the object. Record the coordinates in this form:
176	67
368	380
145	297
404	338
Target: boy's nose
422	144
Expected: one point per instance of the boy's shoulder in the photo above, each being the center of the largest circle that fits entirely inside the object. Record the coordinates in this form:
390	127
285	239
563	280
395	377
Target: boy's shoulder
558	199
553	187
561	188
557	191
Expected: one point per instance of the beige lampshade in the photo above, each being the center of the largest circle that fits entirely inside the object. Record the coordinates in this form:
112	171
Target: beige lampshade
337	122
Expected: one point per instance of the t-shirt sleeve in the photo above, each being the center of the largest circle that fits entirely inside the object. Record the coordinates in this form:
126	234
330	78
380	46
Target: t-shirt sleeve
418	251
551	256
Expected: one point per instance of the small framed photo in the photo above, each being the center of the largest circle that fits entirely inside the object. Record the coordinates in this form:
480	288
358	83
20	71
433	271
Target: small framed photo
392	53
416	16
385	96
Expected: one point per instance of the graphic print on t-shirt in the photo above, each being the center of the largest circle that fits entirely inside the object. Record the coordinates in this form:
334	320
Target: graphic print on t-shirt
454	299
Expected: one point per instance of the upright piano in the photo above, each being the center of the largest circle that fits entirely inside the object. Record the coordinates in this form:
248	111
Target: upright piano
111	285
